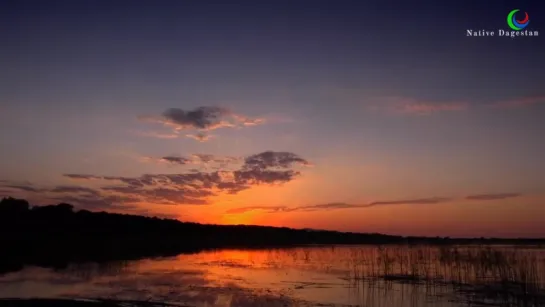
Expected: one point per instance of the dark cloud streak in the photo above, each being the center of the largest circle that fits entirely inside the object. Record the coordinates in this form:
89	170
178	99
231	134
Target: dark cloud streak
202	119
205	118
272	159
176	160
81	176
25	188
336	206
73	189
485	197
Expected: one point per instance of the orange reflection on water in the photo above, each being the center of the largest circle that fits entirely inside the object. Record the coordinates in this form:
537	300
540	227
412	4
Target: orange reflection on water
303	276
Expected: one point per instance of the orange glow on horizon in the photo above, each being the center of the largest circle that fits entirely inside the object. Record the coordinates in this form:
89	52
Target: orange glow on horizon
405	219
245	218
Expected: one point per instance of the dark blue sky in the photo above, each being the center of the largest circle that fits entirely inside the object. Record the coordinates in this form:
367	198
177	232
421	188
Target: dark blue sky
387	99
288	44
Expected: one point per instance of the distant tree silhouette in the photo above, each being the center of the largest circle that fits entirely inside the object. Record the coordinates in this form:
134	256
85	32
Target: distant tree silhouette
54	235
59	210
12	206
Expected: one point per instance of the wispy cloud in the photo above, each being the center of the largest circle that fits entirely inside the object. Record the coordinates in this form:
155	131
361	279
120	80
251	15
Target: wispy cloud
158	135
82	177
420	201
221	160
246	121
418	107
203	119
429	108
269	209
200	137
73	189
412	106
499	196
519	102
25	188
205	161
339	205
342	205
111	203
175	160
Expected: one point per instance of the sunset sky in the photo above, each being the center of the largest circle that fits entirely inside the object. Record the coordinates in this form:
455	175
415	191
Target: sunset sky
368	116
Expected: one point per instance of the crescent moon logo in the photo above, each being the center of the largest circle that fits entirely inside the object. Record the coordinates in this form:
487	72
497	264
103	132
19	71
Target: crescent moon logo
517	24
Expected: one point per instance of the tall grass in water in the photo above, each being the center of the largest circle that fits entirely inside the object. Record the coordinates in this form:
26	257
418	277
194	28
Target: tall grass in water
483	274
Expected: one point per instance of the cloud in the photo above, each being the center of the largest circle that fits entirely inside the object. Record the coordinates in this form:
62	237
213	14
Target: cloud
339	205
425	108
519	102
273	159
269	209
248	121
73	189
229	175
136	182
176	160
260	176
112	203
420	107
201	137
485	197
82	176
269	167
202	119
205	118
421	201
165	194
212	159
98	202
175	196
83	198
332	206
25	188
159	135
204	161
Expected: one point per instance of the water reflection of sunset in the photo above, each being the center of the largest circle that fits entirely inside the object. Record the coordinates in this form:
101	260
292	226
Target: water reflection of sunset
303	276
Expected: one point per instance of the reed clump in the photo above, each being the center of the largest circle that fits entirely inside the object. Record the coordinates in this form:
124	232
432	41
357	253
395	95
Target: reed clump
484	273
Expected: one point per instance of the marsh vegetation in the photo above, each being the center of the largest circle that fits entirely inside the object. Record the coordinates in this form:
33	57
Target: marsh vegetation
489	275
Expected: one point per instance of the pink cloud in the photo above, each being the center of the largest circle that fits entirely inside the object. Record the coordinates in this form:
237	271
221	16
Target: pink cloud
158	135
413	106
419	107
519	102
201	137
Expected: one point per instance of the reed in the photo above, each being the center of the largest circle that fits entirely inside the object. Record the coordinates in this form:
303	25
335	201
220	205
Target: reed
486	274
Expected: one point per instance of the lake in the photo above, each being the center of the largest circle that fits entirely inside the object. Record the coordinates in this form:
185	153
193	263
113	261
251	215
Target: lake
304	276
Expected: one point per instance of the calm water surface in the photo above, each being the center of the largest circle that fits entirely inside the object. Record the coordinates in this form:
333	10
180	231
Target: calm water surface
308	276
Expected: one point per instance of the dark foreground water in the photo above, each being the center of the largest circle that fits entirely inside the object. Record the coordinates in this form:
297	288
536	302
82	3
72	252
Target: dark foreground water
307	276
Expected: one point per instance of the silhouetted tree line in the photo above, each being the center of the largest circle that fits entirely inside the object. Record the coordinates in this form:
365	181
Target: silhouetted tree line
56	234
